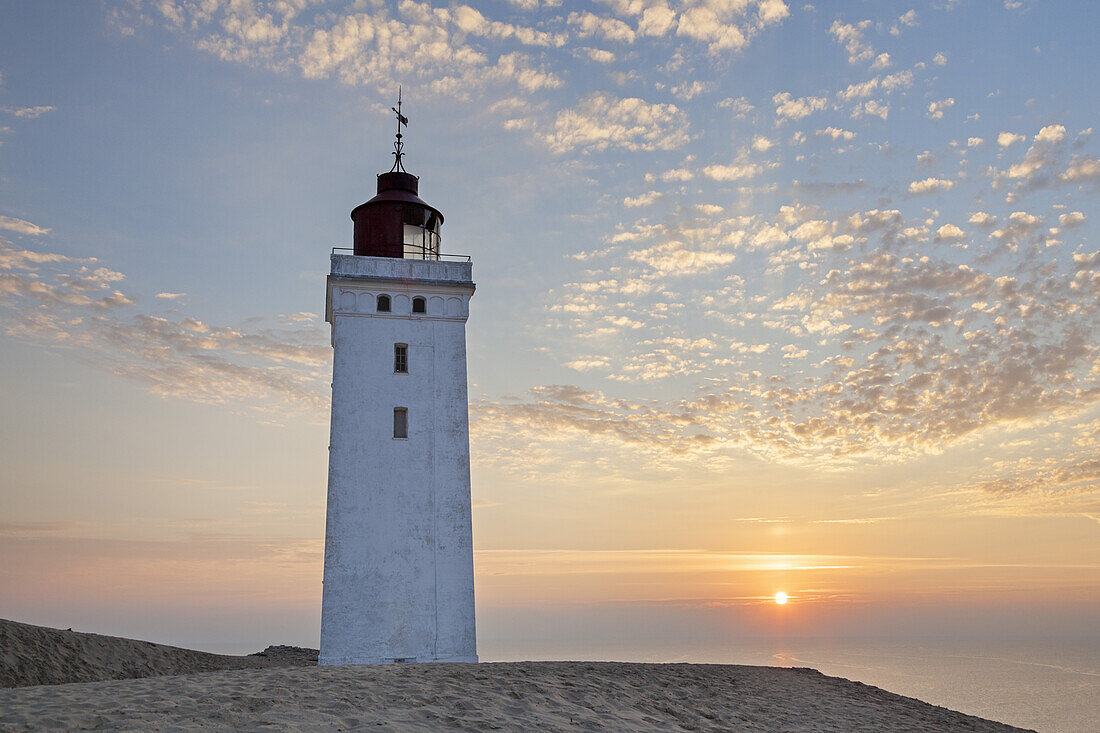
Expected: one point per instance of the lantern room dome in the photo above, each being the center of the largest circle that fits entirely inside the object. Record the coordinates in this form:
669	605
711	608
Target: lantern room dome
397	222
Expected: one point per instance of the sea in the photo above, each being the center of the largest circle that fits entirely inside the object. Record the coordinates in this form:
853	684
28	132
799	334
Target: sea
1050	686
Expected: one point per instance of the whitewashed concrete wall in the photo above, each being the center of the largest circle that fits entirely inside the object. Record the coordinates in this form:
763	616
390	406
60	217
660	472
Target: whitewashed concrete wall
398	547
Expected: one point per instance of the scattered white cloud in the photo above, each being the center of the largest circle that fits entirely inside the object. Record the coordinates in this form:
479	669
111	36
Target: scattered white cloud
27	113
850	35
1085	169
589	24
645	199
602	121
872	108
762	144
1051	134
689	90
930	185
836	133
859	90
740	106
907	19
882	61
949	233
936	109
20	226
1072	219
734	172
897	81
74	304
599	55
787	107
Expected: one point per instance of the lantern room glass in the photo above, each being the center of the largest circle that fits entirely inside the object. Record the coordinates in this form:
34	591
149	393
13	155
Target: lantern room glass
421	233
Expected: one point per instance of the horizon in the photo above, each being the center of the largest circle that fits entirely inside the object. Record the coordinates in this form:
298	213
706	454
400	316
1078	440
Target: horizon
771	298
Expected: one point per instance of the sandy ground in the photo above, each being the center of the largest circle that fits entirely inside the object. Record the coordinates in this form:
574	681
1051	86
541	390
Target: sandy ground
250	693
36	655
526	696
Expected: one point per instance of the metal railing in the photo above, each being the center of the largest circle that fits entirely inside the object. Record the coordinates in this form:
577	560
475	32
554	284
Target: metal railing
442	257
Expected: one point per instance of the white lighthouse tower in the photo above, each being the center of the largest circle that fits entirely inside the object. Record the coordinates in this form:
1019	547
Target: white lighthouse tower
399	580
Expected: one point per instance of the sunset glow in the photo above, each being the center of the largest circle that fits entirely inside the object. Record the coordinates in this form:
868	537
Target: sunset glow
769	295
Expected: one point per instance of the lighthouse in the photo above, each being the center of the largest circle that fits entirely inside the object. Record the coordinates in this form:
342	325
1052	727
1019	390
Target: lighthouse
399	579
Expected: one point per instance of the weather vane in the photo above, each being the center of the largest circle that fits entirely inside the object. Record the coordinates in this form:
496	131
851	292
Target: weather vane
398	145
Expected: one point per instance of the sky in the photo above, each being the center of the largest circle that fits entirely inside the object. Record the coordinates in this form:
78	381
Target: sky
771	296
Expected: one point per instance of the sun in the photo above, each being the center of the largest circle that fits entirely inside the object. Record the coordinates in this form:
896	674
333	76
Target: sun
781	598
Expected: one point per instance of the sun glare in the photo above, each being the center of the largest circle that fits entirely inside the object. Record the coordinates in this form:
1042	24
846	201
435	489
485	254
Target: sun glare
781	598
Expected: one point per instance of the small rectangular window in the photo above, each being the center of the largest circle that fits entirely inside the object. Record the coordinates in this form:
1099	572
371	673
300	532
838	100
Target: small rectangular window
401	422
400	359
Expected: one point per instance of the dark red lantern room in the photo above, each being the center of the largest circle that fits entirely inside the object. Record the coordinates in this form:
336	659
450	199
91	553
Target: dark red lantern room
397	222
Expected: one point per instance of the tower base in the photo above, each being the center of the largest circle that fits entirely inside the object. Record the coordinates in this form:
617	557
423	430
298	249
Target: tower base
331	661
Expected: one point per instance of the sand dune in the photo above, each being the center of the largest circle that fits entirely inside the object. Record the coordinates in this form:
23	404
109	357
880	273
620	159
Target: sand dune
529	696
525	696
36	655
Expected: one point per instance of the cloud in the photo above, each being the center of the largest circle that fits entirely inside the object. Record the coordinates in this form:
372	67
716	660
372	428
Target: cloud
450	50
20	226
1072	219
1042	155
890	352
1084	475
872	108
598	55
1084	169
28	113
1051	134
907	19
602	121
949	233
851	37
734	172
740	106
789	108
930	185
589	24
690	90
170	296
73	305
726	26
644	199
657	20
900	80
762	144
862	89
836	133
433	47
935	109
677	174
1006	139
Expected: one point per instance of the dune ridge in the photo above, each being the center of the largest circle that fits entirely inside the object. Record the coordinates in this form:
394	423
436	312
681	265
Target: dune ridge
38	655
278	691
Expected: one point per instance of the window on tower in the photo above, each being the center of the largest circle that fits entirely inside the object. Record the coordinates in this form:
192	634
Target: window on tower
383	304
400	358
400	423
419	305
